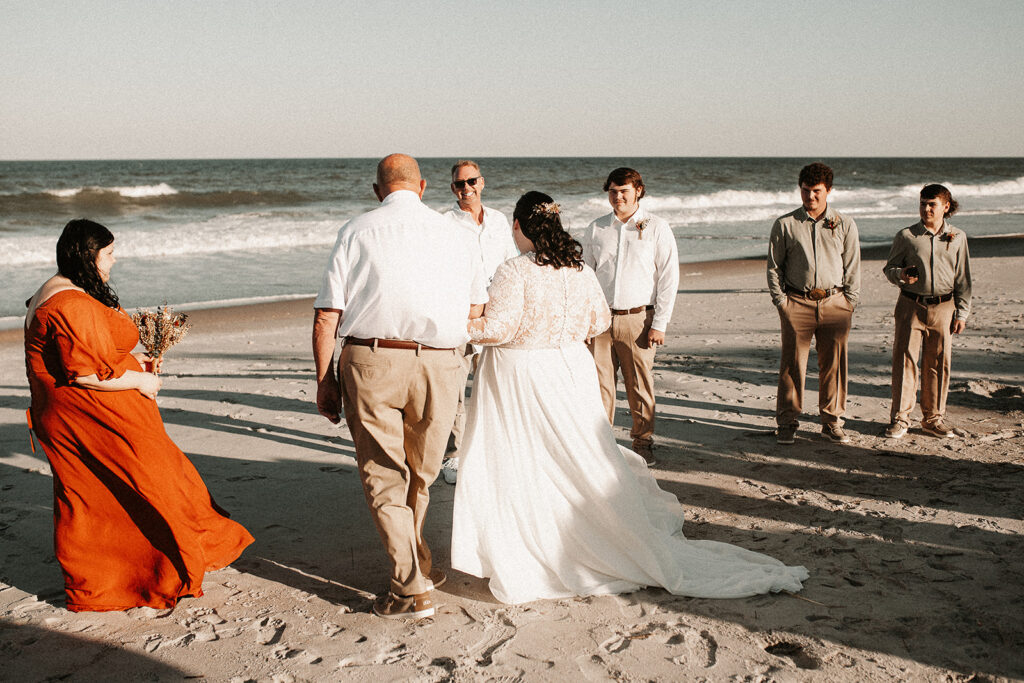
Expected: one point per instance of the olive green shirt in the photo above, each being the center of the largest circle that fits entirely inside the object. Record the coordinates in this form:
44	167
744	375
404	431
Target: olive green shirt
942	260
805	254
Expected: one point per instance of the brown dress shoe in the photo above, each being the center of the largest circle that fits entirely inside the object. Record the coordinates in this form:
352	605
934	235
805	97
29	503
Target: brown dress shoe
645	449
391	606
938	428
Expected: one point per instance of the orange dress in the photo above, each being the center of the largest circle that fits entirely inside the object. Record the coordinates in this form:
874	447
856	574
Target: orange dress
134	522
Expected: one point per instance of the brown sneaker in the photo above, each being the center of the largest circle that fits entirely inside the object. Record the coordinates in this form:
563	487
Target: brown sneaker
896	430
835	433
938	428
435	579
645	449
785	434
393	606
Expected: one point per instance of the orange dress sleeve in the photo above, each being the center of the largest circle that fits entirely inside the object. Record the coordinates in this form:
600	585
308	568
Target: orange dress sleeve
85	341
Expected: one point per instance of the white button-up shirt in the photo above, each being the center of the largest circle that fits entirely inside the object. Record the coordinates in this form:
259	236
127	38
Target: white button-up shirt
493	236
402	271
635	268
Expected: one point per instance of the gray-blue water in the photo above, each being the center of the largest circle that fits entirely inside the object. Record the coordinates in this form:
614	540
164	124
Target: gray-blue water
212	231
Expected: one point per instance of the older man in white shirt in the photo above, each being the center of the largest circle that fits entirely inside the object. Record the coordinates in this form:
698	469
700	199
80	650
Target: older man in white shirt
398	288
490	231
634	255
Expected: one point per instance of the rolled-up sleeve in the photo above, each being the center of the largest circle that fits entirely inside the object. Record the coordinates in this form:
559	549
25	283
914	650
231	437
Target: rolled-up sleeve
851	263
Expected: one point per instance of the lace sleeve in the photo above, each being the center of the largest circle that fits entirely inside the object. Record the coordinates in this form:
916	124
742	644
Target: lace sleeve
504	309
600	314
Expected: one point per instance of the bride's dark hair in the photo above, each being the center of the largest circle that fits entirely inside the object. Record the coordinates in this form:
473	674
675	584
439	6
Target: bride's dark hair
77	247
541	223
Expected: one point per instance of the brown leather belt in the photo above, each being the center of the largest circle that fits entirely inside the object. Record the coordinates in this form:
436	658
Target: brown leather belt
631	311
393	344
927	300
816	294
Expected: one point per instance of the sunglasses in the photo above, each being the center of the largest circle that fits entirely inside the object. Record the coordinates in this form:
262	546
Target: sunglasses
459	184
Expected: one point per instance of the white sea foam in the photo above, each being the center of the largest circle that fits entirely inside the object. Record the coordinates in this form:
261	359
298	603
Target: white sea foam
129	192
1003	188
236	232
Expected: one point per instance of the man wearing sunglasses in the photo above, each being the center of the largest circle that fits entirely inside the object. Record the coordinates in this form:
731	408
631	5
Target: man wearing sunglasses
489	230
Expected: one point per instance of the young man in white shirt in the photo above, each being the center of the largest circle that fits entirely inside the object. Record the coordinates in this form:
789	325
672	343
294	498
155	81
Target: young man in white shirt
635	257
490	232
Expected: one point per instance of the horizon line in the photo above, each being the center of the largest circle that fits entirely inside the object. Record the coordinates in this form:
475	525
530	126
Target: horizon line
510	156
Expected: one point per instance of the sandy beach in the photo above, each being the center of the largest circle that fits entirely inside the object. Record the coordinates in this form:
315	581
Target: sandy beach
915	547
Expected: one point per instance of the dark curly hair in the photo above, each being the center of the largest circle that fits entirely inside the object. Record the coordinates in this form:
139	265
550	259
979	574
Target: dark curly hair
812	174
77	248
936	191
540	222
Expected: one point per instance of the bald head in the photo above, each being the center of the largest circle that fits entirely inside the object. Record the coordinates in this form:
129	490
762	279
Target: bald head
398	172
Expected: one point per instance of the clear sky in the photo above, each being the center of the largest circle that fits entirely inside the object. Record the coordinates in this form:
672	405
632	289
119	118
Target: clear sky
101	79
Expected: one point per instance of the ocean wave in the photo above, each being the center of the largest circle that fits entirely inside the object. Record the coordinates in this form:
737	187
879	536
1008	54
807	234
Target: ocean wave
117	199
1001	188
129	192
237	232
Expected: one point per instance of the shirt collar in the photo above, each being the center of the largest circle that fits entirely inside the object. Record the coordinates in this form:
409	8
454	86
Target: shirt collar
401	196
801	214
636	217
919	229
466	217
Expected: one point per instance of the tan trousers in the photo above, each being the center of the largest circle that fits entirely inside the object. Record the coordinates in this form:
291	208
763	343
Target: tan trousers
828	321
624	347
920	325
399	406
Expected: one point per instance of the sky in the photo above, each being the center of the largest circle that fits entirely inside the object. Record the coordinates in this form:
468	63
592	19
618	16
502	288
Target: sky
147	79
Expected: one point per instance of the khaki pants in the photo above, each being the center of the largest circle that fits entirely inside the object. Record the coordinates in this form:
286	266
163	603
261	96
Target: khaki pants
920	325
828	321
624	347
399	406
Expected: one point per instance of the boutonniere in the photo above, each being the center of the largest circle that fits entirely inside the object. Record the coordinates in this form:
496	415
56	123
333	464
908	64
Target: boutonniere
641	225
832	224
946	237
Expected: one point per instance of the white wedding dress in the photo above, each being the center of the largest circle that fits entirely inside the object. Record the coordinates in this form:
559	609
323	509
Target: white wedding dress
547	505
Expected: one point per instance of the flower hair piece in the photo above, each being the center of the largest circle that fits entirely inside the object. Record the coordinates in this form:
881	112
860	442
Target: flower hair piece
546	209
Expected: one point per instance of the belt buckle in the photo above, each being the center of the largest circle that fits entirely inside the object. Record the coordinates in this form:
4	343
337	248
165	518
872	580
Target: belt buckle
816	294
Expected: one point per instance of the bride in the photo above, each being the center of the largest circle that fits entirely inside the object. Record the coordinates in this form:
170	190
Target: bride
547	504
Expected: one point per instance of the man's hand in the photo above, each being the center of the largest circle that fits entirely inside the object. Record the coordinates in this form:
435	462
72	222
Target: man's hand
958	326
325	332
328	398
655	338
908	277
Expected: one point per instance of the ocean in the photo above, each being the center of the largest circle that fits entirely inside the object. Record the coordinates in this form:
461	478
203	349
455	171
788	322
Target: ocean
198	233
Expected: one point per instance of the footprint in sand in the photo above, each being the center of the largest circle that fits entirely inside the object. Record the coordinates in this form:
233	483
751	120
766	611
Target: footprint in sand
701	648
795	653
592	668
268	630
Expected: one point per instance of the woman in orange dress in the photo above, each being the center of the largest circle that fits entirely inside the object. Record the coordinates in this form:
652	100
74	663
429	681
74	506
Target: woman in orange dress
134	523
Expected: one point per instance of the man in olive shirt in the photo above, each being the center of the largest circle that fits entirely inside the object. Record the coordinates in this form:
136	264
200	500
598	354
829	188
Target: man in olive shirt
930	264
814	281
